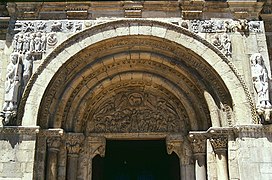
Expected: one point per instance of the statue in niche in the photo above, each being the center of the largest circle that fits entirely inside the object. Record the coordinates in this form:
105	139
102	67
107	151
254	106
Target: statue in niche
12	87
261	85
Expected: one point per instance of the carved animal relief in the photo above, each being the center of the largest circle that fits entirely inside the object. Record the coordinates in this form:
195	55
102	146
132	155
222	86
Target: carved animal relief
136	112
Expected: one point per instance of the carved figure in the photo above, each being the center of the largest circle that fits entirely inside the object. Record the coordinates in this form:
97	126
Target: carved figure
26	43
13	81
195	25
43	42
32	42
28	66
15	43
217	42
69	25
261	85
134	112
260	80
227	45
20	43
56	26
207	26
254	26
41	26
78	27
37	42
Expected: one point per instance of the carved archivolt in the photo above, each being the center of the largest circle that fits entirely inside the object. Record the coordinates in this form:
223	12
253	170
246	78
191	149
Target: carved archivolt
86	57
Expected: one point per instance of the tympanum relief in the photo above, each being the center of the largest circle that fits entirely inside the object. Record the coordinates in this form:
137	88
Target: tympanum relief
134	111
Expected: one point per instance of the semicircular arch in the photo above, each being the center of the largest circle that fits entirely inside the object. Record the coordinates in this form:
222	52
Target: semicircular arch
187	51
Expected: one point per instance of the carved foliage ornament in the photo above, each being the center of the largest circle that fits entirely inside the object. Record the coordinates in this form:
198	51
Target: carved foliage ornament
136	112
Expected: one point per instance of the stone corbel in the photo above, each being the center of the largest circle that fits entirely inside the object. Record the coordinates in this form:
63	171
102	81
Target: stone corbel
181	147
97	146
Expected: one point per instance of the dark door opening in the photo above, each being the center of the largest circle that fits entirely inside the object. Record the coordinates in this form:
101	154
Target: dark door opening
136	160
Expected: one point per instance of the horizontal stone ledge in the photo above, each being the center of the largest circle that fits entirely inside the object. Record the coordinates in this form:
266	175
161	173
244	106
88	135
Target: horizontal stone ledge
19	130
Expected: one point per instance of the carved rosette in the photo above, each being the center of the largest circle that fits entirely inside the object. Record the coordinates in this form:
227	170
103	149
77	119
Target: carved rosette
74	143
53	143
219	143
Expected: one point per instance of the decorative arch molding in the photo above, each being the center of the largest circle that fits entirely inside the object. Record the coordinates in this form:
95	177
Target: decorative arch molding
187	49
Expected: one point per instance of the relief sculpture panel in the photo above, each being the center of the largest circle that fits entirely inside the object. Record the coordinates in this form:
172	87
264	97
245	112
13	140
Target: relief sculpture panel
136	112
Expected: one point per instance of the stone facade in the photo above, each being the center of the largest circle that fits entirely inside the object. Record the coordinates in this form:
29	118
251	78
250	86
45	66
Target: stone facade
196	74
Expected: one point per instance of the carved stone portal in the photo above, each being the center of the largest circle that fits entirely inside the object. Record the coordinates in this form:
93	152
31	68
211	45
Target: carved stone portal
137	111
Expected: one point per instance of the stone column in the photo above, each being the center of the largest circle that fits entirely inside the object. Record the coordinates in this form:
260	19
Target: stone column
53	144
199	147
97	147
73	145
181	146
220	145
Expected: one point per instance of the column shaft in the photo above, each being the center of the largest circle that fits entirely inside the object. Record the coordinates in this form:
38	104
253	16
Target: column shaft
52	162
72	161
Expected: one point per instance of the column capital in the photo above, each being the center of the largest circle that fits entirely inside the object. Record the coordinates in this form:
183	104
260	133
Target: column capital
53	143
219	143
199	142
74	143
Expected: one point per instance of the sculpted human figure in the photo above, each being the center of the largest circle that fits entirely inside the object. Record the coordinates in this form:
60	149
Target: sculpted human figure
26	44
227	45
27	66
13	81
38	42
20	43
15	43
261	85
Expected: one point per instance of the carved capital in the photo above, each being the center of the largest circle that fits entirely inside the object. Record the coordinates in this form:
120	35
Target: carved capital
74	143
53	143
198	142
219	143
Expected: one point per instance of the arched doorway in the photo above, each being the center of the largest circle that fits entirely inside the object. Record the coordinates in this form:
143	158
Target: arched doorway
127	86
139	160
